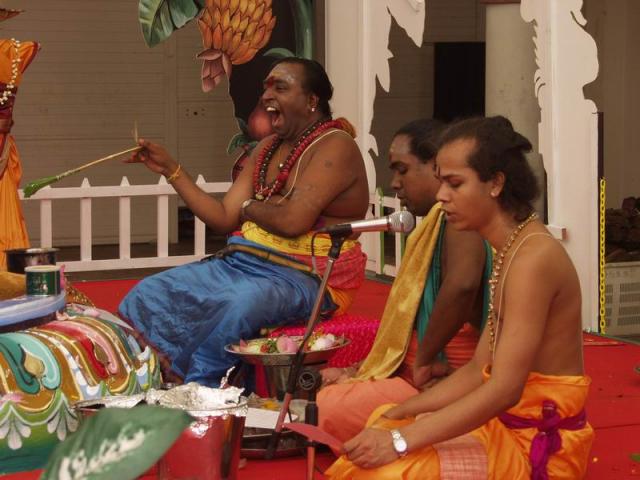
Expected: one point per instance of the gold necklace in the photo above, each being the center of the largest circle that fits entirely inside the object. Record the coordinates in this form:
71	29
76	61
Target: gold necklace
15	64
492	321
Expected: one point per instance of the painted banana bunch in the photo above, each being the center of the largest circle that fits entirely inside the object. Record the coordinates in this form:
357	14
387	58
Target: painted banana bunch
232	33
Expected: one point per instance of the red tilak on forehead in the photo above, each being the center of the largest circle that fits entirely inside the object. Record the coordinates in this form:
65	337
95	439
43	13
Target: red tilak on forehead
269	81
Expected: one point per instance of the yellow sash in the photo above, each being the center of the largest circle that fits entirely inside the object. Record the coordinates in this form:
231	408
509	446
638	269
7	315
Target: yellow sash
294	246
392	339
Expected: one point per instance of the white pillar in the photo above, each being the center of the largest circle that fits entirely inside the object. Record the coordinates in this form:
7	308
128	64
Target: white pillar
566	56
510	66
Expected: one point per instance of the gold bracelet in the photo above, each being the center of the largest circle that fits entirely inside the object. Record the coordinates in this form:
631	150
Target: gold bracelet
175	175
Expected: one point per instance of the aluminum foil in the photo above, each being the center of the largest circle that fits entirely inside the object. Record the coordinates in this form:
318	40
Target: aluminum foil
198	400
201	401
121	401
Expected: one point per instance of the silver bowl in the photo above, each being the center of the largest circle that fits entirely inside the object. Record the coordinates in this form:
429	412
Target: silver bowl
19	258
285	359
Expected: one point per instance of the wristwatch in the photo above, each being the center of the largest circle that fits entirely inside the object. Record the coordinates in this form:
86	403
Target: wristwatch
399	443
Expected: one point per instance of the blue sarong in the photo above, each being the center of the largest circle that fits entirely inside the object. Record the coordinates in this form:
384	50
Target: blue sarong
191	312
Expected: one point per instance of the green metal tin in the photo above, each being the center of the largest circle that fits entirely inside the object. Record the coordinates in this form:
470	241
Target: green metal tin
43	280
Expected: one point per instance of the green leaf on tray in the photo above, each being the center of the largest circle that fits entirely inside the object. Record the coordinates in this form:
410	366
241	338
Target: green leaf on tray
160	18
635	457
119	443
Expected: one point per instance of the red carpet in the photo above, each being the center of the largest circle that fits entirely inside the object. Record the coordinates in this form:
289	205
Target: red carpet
613	407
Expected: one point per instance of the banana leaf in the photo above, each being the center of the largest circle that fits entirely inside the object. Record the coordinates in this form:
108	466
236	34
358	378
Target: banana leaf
120	443
160	18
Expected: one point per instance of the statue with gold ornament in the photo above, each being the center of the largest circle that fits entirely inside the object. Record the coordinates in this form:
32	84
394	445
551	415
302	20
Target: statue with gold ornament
15	57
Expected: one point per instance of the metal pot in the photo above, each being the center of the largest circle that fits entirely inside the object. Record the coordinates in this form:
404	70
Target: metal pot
19	258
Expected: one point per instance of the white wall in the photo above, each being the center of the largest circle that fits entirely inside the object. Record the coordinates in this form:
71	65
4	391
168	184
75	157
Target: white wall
79	98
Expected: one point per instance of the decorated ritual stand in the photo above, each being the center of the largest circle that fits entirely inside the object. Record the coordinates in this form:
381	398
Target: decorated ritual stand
54	353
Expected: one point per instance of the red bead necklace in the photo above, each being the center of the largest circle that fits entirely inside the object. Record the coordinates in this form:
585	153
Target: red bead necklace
261	190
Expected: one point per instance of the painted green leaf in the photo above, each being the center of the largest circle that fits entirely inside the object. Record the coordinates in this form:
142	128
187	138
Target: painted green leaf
303	18
635	457
160	18
119	443
236	141
244	128
279	52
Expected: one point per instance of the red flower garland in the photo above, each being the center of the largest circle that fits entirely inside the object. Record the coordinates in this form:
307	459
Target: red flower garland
263	191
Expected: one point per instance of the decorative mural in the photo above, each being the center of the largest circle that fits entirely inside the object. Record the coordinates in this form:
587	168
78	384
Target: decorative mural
240	40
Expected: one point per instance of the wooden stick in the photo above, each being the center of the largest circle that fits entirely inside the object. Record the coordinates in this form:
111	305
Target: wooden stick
95	162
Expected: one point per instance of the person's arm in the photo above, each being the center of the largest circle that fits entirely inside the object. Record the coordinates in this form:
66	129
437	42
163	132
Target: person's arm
464	261
528	295
333	375
464	380
221	216
330	170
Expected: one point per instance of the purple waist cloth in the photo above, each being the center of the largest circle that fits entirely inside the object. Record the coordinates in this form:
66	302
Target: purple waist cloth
547	441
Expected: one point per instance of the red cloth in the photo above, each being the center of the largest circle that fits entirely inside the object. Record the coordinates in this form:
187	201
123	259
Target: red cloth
347	273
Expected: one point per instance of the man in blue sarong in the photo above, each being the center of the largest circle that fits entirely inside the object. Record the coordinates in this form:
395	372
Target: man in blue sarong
309	174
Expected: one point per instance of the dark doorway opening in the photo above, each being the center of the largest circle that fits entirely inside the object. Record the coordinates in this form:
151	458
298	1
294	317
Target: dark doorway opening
459	80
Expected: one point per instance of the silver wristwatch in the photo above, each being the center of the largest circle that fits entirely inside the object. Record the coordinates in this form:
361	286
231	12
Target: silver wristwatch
399	443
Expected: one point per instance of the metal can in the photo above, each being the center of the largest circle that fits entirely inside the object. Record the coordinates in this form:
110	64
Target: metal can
43	279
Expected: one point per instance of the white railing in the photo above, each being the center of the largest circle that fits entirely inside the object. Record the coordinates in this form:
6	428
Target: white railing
85	193
372	243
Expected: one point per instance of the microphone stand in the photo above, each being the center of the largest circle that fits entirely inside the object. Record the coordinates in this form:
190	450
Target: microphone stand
337	240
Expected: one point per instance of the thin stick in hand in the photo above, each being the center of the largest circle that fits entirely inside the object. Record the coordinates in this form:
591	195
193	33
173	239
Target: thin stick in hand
36	185
100	160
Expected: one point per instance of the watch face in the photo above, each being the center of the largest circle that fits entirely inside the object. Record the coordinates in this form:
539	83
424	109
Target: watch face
400	445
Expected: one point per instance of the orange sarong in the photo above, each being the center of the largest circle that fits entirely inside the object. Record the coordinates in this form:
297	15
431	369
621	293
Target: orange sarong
506	449
13	232
344	408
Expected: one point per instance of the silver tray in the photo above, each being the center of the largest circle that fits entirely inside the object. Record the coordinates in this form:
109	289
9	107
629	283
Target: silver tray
285	359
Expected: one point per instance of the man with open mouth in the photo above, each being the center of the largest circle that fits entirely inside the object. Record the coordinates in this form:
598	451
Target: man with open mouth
307	175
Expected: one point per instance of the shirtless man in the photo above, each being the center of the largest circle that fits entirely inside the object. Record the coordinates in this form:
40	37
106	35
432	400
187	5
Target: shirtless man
517	408
309	174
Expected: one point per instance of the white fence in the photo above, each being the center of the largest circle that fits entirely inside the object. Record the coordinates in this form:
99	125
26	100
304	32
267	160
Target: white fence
372	243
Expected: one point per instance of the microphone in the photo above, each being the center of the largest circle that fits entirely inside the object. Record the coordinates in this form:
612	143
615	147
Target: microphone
402	222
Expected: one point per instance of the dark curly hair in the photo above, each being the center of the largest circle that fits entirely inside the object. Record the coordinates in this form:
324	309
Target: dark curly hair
424	137
499	148
316	80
